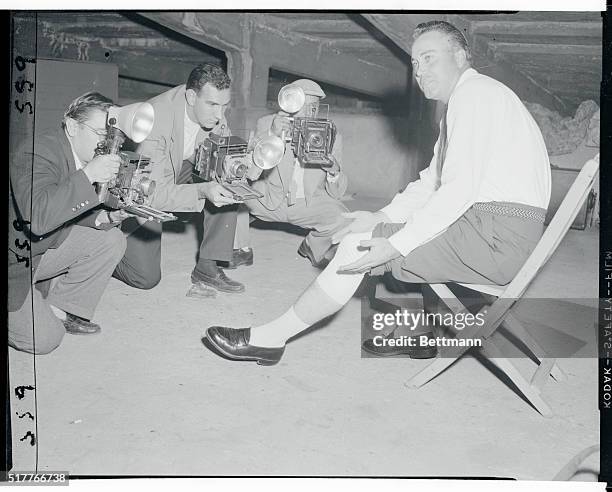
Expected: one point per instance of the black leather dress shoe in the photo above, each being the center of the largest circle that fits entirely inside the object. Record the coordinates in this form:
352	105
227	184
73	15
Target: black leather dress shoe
305	251
240	257
75	325
233	343
219	281
382	348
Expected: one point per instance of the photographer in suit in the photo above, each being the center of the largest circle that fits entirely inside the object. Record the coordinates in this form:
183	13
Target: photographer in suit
184	116
54	233
305	196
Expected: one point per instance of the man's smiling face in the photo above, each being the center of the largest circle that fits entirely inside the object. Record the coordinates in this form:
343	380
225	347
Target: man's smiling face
437	65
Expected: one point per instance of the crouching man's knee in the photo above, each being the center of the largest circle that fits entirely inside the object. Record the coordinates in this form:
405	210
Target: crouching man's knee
147	282
46	338
115	243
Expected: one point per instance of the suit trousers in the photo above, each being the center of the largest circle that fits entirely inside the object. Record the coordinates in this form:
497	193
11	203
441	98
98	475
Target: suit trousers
79	270
322	216
141	265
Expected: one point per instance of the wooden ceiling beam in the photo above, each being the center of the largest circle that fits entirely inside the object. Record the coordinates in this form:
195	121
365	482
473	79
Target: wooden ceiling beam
294	53
531	16
524	85
545	49
519	28
223	31
399	27
323	25
553	62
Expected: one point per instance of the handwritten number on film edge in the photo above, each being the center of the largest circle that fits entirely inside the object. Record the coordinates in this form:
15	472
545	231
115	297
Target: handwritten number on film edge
19	225
20	63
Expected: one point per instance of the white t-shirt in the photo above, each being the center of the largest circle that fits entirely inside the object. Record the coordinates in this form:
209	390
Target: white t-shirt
190	132
298	178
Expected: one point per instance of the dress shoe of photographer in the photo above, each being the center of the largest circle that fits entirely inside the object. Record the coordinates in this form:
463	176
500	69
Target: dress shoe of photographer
306	252
233	343
240	257
382	349
219	281
75	325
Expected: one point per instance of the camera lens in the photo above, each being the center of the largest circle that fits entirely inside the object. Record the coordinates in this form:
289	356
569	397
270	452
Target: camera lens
315	140
235	167
239	169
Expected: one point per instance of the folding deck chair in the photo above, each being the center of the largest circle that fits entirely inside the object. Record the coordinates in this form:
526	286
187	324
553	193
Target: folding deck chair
499	312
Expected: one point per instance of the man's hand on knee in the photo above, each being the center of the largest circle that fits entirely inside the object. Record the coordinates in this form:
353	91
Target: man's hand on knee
381	251
362	222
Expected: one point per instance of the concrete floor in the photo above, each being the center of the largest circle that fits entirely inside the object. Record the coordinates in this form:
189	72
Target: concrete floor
146	398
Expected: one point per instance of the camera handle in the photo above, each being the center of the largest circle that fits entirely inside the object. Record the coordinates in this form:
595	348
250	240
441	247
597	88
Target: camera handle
112	145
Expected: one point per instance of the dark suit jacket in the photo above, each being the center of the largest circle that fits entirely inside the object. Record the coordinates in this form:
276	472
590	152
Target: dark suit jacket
164	146
276	182
48	195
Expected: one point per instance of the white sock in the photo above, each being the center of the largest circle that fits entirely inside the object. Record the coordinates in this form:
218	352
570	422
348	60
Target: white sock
277	332
58	312
325	296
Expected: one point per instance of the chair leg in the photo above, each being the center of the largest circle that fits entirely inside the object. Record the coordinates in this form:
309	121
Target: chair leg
514	326
532	393
429	372
444	360
447	297
540	376
495	317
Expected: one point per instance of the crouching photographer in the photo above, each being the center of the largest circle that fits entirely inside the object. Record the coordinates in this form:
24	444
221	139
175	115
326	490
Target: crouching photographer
305	188
62	247
185	116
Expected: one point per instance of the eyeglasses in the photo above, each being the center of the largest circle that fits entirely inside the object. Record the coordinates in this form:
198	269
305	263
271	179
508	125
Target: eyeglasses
98	133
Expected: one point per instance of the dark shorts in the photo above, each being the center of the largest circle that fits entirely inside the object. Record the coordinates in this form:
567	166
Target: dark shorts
480	247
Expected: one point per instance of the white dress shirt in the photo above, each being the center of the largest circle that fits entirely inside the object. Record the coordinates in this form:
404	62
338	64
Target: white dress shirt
495	152
190	132
298	178
77	161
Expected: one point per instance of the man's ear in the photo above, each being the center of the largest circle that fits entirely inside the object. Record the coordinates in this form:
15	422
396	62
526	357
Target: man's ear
460	58
190	97
71	126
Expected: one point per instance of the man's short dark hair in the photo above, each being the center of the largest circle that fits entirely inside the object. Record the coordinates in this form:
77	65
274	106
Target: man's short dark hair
82	106
208	73
455	35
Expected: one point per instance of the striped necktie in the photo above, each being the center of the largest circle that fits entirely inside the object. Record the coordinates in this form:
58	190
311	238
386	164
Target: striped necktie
442	144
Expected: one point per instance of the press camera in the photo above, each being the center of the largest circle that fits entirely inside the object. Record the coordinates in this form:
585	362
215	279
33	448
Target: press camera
131	189
227	160
312	138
